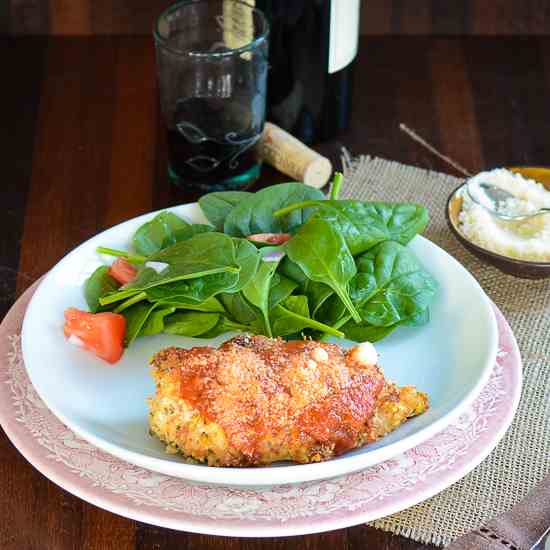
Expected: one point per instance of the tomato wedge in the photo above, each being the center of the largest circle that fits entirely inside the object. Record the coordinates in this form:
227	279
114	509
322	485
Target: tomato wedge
122	271
102	333
269	238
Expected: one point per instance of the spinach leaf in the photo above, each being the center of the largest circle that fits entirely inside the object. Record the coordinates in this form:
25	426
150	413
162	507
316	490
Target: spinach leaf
195	286
293	271
201	249
322	254
194	290
130	302
336	186
333	311
365	224
118	296
227	325
247	257
419	319
199	289
206	263
133	288
363	286
281	288
132	258
292	316
136	316
258	289
403	289
190	323
157	234
204	255
144	276
155	322
391	289
317	294
239	309
297	304
211	305
363	332
192	230
210	263
254	214
216	206
185	232
98	284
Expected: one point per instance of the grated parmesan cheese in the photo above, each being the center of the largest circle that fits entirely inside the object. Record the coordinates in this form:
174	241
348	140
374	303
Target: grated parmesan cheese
525	240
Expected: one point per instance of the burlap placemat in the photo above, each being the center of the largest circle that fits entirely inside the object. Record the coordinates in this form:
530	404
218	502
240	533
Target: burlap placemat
522	458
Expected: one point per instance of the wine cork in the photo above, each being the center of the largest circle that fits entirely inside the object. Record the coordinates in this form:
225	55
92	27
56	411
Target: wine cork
238	25
292	157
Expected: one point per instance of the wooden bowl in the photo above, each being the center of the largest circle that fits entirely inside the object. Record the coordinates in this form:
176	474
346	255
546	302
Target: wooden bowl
518	268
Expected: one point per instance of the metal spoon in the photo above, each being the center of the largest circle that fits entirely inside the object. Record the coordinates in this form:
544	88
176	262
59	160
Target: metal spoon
498	196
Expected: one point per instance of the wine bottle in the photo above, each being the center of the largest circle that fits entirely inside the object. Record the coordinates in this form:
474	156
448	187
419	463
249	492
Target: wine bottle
312	46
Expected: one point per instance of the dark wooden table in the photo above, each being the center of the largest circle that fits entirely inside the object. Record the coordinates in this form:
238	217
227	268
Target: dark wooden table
82	149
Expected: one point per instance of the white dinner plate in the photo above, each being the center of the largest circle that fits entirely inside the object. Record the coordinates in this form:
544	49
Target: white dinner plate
450	358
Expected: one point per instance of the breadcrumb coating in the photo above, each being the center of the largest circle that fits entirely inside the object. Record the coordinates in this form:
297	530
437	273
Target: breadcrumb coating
257	400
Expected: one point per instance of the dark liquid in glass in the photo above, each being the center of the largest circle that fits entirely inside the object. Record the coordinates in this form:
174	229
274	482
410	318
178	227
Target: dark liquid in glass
211	144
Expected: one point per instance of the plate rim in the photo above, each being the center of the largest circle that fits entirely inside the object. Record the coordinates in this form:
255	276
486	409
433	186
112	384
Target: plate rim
256	477
25	444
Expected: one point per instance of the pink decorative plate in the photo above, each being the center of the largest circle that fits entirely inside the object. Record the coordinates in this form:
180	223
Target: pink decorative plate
130	491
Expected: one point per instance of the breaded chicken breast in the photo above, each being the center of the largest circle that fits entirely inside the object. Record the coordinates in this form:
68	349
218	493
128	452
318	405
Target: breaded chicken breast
256	400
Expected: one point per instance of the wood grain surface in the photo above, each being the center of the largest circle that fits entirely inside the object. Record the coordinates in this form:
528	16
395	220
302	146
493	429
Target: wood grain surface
378	17
83	149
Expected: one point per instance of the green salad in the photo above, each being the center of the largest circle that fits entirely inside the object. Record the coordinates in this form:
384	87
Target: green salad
285	261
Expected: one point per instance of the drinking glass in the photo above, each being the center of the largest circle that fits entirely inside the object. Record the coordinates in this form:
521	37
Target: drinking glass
212	69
